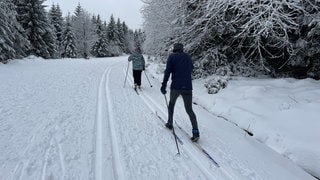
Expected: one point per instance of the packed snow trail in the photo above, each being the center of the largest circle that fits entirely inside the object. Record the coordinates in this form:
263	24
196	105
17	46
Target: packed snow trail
146	146
48	110
73	119
210	170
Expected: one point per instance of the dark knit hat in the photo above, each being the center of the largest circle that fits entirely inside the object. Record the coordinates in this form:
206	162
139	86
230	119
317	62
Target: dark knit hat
177	47
138	49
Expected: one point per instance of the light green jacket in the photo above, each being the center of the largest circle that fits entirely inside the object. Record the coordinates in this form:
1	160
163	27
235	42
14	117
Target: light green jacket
138	62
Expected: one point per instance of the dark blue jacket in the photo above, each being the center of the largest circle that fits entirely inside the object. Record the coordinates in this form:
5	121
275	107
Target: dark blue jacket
180	65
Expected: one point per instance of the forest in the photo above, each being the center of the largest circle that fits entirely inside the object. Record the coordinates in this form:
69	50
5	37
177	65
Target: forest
26	28
251	38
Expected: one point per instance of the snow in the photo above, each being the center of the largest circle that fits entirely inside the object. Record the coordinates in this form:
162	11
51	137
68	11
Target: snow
77	119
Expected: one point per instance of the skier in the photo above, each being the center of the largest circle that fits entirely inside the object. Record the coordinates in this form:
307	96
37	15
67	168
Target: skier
179	64
138	65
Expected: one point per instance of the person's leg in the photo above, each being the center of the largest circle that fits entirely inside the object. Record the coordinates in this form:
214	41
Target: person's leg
174	94
139	73
187	98
135	77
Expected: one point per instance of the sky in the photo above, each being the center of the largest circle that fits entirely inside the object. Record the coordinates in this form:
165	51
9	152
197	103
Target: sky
127	10
79	119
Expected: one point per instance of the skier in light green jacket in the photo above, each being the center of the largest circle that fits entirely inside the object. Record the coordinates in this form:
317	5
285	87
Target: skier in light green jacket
138	65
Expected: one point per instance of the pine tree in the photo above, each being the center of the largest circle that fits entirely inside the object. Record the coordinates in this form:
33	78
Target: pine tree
79	11
113	38
6	38
126	40
100	48
68	41
33	18
13	42
56	19
121	35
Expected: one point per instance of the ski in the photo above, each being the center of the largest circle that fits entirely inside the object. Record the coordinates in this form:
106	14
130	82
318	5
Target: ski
194	143
200	147
180	141
136	90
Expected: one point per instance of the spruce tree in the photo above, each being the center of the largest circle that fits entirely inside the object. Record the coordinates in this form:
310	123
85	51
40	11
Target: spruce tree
112	29
113	38
13	42
126	40
68	41
6	37
100	48
33	18
121	35
56	19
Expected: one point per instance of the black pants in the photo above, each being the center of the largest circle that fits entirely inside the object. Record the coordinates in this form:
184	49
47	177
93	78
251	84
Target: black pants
137	77
187	99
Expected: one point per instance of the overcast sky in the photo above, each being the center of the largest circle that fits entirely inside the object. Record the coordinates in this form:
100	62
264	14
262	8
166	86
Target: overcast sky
128	11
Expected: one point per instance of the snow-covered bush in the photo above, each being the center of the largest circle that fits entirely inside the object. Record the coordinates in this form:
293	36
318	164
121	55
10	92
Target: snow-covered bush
216	83
209	63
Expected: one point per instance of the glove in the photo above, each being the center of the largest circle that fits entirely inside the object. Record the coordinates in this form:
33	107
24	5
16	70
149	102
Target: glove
163	89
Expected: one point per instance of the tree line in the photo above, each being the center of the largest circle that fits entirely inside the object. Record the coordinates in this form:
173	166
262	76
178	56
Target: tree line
248	38
26	28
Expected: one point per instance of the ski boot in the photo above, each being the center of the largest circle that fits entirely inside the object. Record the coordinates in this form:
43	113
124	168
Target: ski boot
169	126
195	135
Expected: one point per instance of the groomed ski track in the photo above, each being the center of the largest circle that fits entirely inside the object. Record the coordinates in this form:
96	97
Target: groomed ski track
109	139
124	140
105	131
210	169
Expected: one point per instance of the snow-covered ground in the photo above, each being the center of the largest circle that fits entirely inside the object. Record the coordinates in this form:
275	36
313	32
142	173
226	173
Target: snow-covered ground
76	119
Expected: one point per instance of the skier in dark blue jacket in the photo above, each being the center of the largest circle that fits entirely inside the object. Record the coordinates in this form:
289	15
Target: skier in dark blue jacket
180	65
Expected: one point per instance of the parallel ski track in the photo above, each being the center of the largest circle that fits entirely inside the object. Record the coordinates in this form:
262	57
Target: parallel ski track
104	103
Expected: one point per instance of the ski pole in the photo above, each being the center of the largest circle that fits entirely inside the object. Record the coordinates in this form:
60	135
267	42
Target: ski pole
126	75
174	134
147	78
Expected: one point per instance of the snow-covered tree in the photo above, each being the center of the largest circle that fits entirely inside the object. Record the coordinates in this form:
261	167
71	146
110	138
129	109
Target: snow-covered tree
13	42
131	45
121	35
113	37
68	41
161	24
33	18
100	48
56	19
138	38
126	39
84	31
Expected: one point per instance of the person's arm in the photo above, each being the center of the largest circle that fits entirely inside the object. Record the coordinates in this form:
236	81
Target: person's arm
143	62
166	76
167	72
